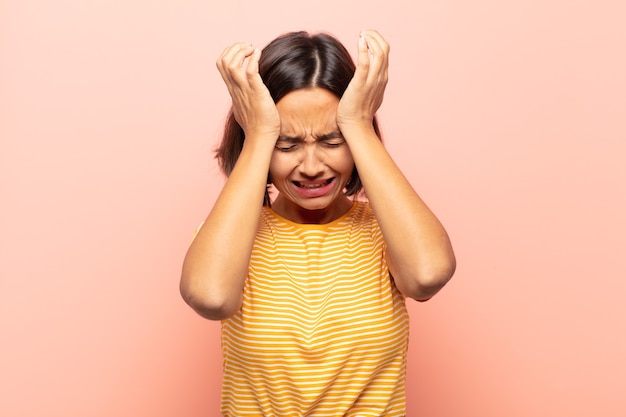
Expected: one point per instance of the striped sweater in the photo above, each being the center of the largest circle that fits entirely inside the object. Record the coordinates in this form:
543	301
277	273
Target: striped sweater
322	330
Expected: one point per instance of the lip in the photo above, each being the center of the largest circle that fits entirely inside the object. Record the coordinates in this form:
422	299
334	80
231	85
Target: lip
313	189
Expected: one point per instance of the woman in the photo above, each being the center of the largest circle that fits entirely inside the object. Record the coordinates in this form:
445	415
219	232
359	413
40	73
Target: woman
310	287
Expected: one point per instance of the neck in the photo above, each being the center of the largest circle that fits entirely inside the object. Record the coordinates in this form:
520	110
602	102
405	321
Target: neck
297	214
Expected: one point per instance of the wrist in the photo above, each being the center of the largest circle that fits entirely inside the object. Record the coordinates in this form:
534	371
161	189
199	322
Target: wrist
259	145
360	128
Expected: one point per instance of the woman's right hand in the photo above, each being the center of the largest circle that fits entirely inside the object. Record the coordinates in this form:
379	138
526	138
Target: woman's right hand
253	106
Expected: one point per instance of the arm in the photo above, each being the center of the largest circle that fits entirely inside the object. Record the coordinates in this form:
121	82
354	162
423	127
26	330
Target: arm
419	253
216	264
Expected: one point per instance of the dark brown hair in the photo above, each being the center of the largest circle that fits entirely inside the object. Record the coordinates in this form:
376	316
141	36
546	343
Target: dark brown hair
290	62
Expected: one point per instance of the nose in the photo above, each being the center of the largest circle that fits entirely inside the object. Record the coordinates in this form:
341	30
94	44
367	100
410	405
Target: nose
311	165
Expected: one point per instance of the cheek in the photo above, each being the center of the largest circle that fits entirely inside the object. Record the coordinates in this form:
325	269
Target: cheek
345	163
279	166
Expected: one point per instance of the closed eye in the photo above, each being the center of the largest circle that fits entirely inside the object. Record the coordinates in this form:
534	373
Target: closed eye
286	145
332	139
290	143
286	148
333	143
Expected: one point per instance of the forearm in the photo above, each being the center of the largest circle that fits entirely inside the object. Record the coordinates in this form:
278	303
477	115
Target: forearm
419	252
216	264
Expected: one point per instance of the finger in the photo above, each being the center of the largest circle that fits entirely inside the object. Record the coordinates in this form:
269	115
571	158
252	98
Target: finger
376	40
378	53
363	60
222	64
376	45
226	55
230	52
252	69
230	62
232	59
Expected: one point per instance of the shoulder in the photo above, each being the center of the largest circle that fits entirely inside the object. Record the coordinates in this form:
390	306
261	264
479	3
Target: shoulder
362	213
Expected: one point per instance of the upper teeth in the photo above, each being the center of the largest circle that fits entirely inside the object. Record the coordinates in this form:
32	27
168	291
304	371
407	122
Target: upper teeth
313	185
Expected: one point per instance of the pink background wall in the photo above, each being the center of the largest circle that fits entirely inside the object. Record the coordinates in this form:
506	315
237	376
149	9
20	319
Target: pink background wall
508	117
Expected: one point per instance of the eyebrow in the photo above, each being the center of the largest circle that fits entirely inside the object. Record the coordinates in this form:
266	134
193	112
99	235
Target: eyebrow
292	139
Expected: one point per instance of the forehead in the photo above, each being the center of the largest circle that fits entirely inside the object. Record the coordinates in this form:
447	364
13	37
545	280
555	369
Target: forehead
308	108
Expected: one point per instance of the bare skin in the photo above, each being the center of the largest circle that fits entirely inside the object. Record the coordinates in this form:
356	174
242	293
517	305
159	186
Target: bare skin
312	162
336	135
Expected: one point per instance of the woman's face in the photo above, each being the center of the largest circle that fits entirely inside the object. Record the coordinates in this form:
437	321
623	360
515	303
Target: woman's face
311	163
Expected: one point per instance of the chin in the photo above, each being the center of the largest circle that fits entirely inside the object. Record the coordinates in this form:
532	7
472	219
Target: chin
315	205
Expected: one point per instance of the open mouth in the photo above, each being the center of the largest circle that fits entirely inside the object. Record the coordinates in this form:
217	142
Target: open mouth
313	185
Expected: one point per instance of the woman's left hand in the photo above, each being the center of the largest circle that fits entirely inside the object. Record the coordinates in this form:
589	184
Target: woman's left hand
364	94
